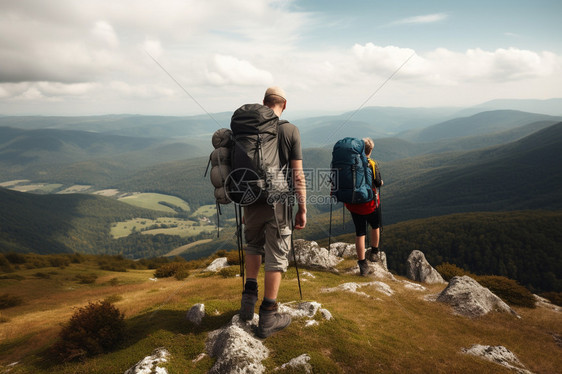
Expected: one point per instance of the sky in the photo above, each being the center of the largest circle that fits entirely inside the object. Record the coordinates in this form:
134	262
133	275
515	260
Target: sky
189	57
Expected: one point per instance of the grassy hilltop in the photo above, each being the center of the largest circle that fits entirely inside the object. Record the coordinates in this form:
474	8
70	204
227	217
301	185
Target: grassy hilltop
368	334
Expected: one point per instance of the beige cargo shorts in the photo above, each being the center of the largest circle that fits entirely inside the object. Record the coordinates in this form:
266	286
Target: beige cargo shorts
264	237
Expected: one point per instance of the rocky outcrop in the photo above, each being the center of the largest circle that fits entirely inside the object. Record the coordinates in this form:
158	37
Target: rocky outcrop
305	309
217	264
469	298
541	302
310	254
420	270
341	249
298	364
413	286
353	288
236	349
377	269
196	313
149	364
499	355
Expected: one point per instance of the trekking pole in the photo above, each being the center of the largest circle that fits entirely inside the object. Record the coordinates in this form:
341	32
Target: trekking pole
238	214
330	229
293	249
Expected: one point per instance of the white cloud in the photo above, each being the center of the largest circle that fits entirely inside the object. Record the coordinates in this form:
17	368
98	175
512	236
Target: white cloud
222	51
380	60
446	67
105	33
230	70
153	47
428	18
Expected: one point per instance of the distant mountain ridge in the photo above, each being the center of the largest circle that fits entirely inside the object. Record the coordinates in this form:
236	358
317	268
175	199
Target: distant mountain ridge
524	174
31	153
478	124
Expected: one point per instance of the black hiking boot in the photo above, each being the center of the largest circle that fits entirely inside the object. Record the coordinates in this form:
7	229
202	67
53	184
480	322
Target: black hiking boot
248	304
271	321
363	268
374	256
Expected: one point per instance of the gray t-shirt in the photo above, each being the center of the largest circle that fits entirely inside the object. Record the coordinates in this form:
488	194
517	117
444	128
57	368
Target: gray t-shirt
289	143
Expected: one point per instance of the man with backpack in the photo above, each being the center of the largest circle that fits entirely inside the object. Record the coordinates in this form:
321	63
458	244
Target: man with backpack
268	224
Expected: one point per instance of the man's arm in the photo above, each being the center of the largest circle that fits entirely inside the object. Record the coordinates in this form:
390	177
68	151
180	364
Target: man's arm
299	183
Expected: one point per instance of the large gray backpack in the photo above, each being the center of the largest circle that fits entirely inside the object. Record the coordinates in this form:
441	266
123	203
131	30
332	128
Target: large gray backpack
256	176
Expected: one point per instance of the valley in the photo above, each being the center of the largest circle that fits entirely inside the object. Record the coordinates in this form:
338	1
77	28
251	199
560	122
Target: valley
443	163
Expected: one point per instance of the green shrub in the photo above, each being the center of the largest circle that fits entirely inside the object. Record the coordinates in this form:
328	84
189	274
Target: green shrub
5	265
86	278
233	258
60	261
448	271
42	275
76	258
553	297
15	258
12	276
508	290
153	263
181	273
229	272
113	298
8	301
172	269
114	263
94	329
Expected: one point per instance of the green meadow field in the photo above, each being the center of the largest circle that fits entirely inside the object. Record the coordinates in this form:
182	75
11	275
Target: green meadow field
154	201
161	225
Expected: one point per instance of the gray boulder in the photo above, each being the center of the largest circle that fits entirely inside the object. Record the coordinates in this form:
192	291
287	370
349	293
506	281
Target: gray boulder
499	355
149	364
217	264
377	269
196	313
310	254
420	270
299	364
469	298
236	349
341	249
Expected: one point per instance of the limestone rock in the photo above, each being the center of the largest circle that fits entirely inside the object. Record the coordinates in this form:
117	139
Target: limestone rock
353	288
382	259
326	314
420	270
341	249
236	349
308	274
196	313
377	269
300	363
306	309
469	298
217	264
541	302
413	286
310	254
498	354
148	365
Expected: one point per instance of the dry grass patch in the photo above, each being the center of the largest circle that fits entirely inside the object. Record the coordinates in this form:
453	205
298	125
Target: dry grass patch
369	334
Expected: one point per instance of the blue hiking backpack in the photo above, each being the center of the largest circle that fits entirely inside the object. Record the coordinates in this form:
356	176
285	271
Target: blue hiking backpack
352	176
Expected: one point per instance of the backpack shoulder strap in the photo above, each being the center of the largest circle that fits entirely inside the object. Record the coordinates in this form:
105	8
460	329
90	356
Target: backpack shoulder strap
373	165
